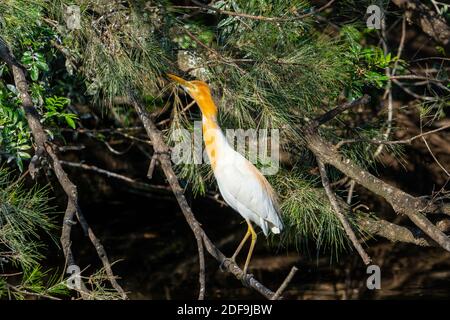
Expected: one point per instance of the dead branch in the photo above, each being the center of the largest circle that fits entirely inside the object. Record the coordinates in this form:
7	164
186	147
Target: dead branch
44	148
285	283
402	202
403	141
429	21
337	210
209	8
393	232
434	157
201	273
338	110
110	174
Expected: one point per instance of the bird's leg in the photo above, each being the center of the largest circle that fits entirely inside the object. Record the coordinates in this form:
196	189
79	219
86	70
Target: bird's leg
233	257
252	246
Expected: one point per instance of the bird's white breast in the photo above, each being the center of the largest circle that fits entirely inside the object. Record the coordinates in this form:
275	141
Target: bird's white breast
240	183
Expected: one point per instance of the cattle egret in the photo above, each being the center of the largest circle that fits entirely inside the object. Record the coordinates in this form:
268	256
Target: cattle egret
241	185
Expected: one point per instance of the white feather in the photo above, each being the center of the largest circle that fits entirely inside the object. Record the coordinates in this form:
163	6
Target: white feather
243	187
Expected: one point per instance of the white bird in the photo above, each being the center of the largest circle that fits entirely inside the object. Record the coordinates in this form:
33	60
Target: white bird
240	183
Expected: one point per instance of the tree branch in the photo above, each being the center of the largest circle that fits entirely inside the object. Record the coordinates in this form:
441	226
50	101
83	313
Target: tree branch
259	17
337	210
393	232
403	141
401	202
43	147
285	283
110	174
337	111
429	21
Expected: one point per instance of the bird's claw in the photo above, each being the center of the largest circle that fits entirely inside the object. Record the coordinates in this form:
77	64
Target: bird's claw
222	264
246	279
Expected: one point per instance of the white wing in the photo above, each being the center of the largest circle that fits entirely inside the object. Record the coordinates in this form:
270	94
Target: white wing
246	190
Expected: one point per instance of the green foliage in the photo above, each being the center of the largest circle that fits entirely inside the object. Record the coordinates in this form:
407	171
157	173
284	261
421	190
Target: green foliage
21	24
206	36
25	218
54	110
280	75
118	61
99	288
24	214
369	62
309	215
36	282
15	137
286	74
23	27
265	74
35	62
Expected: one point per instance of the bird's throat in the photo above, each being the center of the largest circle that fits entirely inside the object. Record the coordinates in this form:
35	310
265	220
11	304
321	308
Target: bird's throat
212	136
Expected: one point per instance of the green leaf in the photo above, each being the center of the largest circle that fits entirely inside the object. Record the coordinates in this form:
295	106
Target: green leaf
34	73
70	122
27	58
19	163
42	65
24	155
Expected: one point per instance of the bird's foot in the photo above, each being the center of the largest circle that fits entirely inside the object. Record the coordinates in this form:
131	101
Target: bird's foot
228	261
245	279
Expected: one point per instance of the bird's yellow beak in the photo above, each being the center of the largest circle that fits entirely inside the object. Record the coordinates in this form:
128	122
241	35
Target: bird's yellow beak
179	80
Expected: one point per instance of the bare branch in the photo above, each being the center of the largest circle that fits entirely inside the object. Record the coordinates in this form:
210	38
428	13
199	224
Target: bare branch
348	229
201	273
434	157
393	232
285	283
429	21
259	17
110	174
43	147
401	202
403	141
337	111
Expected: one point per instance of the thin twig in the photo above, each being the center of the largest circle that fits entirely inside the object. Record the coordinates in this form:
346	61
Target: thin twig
110	174
412	93
350	192
348	229
285	283
377	141
28	293
201	273
259	17
434	157
337	111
